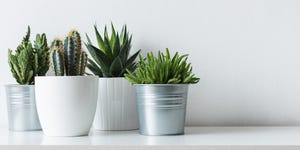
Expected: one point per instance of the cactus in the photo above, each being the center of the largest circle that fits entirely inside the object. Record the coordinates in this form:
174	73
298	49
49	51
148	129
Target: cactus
58	61
42	50
68	58
29	61
57	43
82	63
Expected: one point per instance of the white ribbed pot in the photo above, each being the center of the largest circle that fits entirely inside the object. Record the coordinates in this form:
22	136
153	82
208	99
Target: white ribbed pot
116	107
66	105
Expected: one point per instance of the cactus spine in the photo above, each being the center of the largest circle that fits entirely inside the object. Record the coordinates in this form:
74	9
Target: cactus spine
68	58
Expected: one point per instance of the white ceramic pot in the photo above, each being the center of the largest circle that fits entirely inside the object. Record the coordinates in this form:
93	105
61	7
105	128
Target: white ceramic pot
66	105
116	107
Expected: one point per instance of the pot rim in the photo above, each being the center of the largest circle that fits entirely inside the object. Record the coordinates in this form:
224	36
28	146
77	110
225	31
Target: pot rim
111	77
65	77
161	84
19	85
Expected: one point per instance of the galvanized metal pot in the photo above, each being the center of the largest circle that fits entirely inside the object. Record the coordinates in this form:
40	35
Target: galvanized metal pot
161	108
21	108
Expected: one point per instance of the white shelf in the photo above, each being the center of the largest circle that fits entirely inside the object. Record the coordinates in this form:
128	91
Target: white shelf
195	137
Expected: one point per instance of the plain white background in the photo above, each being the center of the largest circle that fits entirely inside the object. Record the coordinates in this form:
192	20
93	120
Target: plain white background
245	51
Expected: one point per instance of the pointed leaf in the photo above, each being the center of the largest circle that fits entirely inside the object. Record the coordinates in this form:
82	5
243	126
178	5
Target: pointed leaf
106	33
116	67
88	39
113	36
102	60
132	58
93	67
108	47
116	46
100	40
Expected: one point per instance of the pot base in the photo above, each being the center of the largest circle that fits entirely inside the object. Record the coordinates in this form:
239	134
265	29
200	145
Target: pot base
65	135
146	134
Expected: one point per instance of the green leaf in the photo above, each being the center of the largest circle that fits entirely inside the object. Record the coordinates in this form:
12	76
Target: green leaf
116	47
113	36
108	47
36	64
29	77
100	57
132	58
123	36
116	67
88	39
106	33
94	68
99	41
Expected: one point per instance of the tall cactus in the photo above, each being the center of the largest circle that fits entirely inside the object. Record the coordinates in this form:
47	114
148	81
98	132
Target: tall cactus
68	58
82	63
57	43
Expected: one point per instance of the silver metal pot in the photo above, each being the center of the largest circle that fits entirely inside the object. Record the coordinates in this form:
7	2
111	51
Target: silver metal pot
161	108
21	108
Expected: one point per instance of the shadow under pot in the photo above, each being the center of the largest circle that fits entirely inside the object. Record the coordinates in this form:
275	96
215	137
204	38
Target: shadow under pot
161	108
21	108
66	104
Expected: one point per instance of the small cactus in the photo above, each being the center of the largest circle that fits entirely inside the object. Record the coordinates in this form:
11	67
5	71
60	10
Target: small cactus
29	60
82	63
58	61
57	43
68	58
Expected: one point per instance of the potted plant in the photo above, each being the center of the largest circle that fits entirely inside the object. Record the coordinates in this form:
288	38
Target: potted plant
116	108
27	62
161	85
66	103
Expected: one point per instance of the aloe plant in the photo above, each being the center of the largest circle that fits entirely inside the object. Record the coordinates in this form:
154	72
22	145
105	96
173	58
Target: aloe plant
68	58
29	60
162	70
111	58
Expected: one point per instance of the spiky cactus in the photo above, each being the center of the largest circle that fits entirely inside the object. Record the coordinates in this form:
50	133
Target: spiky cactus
29	61
68	58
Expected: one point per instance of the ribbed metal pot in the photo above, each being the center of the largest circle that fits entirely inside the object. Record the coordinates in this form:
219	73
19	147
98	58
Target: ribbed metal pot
161	108
21	108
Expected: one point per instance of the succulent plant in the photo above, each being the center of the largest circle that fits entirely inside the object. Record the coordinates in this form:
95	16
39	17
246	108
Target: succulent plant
68	58
29	61
162	70
111	58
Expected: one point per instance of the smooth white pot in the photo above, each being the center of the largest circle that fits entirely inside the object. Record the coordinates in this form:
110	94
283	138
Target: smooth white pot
66	105
116	107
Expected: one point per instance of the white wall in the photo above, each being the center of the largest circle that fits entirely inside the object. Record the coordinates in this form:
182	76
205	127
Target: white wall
245	51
